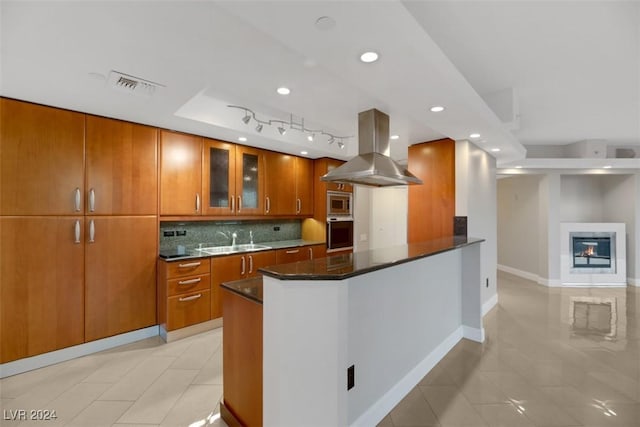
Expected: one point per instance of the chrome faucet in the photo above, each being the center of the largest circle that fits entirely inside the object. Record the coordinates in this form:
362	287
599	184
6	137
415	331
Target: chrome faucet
250	237
234	236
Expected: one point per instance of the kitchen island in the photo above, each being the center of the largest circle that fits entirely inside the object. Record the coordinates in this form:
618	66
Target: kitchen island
345	338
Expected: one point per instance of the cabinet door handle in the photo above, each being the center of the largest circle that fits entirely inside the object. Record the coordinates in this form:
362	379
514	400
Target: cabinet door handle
239	203
244	266
250	264
298	205
92	231
92	200
76	232
77	200
293	251
190	281
268	204
191	298
233	203
310	253
197	202
189	265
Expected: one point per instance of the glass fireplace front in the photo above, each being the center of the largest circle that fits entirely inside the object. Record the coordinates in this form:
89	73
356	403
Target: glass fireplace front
591	252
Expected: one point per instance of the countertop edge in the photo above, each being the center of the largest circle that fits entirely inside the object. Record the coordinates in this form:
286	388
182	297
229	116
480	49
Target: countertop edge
328	276
274	246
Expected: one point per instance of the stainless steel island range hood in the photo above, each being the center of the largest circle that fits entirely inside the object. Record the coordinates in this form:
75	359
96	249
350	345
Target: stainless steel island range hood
372	166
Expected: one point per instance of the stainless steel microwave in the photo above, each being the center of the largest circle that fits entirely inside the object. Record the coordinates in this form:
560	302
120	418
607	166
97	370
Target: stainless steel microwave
339	203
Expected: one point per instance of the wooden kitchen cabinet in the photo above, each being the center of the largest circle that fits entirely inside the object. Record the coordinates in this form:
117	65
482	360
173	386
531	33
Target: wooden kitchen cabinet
288	185
120	274
300	253
121	168
235	267
180	174
233	179
280	189
184	294
41	160
41	285
332	186
304	186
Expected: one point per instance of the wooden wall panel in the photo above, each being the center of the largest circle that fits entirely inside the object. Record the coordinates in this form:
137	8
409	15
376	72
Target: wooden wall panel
432	204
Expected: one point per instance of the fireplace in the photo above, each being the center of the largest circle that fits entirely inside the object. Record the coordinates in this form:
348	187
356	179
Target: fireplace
593	254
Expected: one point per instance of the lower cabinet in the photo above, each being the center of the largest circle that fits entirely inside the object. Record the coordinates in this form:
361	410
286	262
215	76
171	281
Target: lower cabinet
184	294
235	267
41	285
300	253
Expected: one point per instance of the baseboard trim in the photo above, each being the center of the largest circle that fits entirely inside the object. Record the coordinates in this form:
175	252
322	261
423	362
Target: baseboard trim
550	283
188	331
487	306
473	334
633	281
40	361
391	398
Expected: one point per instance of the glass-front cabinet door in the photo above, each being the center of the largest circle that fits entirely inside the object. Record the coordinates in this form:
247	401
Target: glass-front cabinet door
219	184
249	181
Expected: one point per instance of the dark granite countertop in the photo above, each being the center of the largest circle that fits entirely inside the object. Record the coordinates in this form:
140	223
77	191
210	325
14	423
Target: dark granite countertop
341	267
186	253
248	288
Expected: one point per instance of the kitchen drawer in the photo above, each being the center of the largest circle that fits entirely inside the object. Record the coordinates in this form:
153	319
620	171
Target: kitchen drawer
188	309
190	267
188	284
288	255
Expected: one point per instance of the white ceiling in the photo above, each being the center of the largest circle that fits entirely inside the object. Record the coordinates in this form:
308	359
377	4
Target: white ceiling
573	67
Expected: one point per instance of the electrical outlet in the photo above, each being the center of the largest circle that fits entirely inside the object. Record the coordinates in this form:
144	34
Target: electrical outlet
351	377
181	233
276	228
169	233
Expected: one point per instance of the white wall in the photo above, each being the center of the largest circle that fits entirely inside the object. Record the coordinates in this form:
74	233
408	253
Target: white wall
362	217
619	205
388	216
476	199
532	207
581	198
518	227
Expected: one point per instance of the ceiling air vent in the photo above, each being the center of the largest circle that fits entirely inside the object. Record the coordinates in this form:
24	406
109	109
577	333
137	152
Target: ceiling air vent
133	85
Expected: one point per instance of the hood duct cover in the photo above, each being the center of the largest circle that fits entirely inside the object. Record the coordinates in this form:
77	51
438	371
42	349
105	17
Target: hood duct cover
372	166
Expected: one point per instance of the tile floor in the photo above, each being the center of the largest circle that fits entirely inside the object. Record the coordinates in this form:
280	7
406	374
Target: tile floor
553	357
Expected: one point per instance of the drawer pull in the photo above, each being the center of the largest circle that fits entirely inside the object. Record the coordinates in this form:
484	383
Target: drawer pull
190	281
189	265
191	298
76	202
77	232
294	251
92	200
92	232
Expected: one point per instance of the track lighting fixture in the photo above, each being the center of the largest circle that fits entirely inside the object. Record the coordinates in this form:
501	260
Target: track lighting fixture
284	126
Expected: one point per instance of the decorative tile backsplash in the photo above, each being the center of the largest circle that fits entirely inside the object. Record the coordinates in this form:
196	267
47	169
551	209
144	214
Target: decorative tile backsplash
218	233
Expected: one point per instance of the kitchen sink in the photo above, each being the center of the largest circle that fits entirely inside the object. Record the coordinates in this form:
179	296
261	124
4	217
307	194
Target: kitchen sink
218	250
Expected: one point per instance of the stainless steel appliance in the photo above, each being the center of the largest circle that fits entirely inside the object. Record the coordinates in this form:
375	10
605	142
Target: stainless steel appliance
339	233
339	204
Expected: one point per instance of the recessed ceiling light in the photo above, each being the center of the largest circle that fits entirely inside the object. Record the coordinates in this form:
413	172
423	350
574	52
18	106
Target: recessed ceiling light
474	135
436	108
242	139
606	167
304	153
495	150
283	90
394	137
518	167
369	57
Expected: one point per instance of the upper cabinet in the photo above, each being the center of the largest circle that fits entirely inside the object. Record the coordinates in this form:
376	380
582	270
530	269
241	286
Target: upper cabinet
289	185
121	173
41	160
332	186
180	174
233	179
